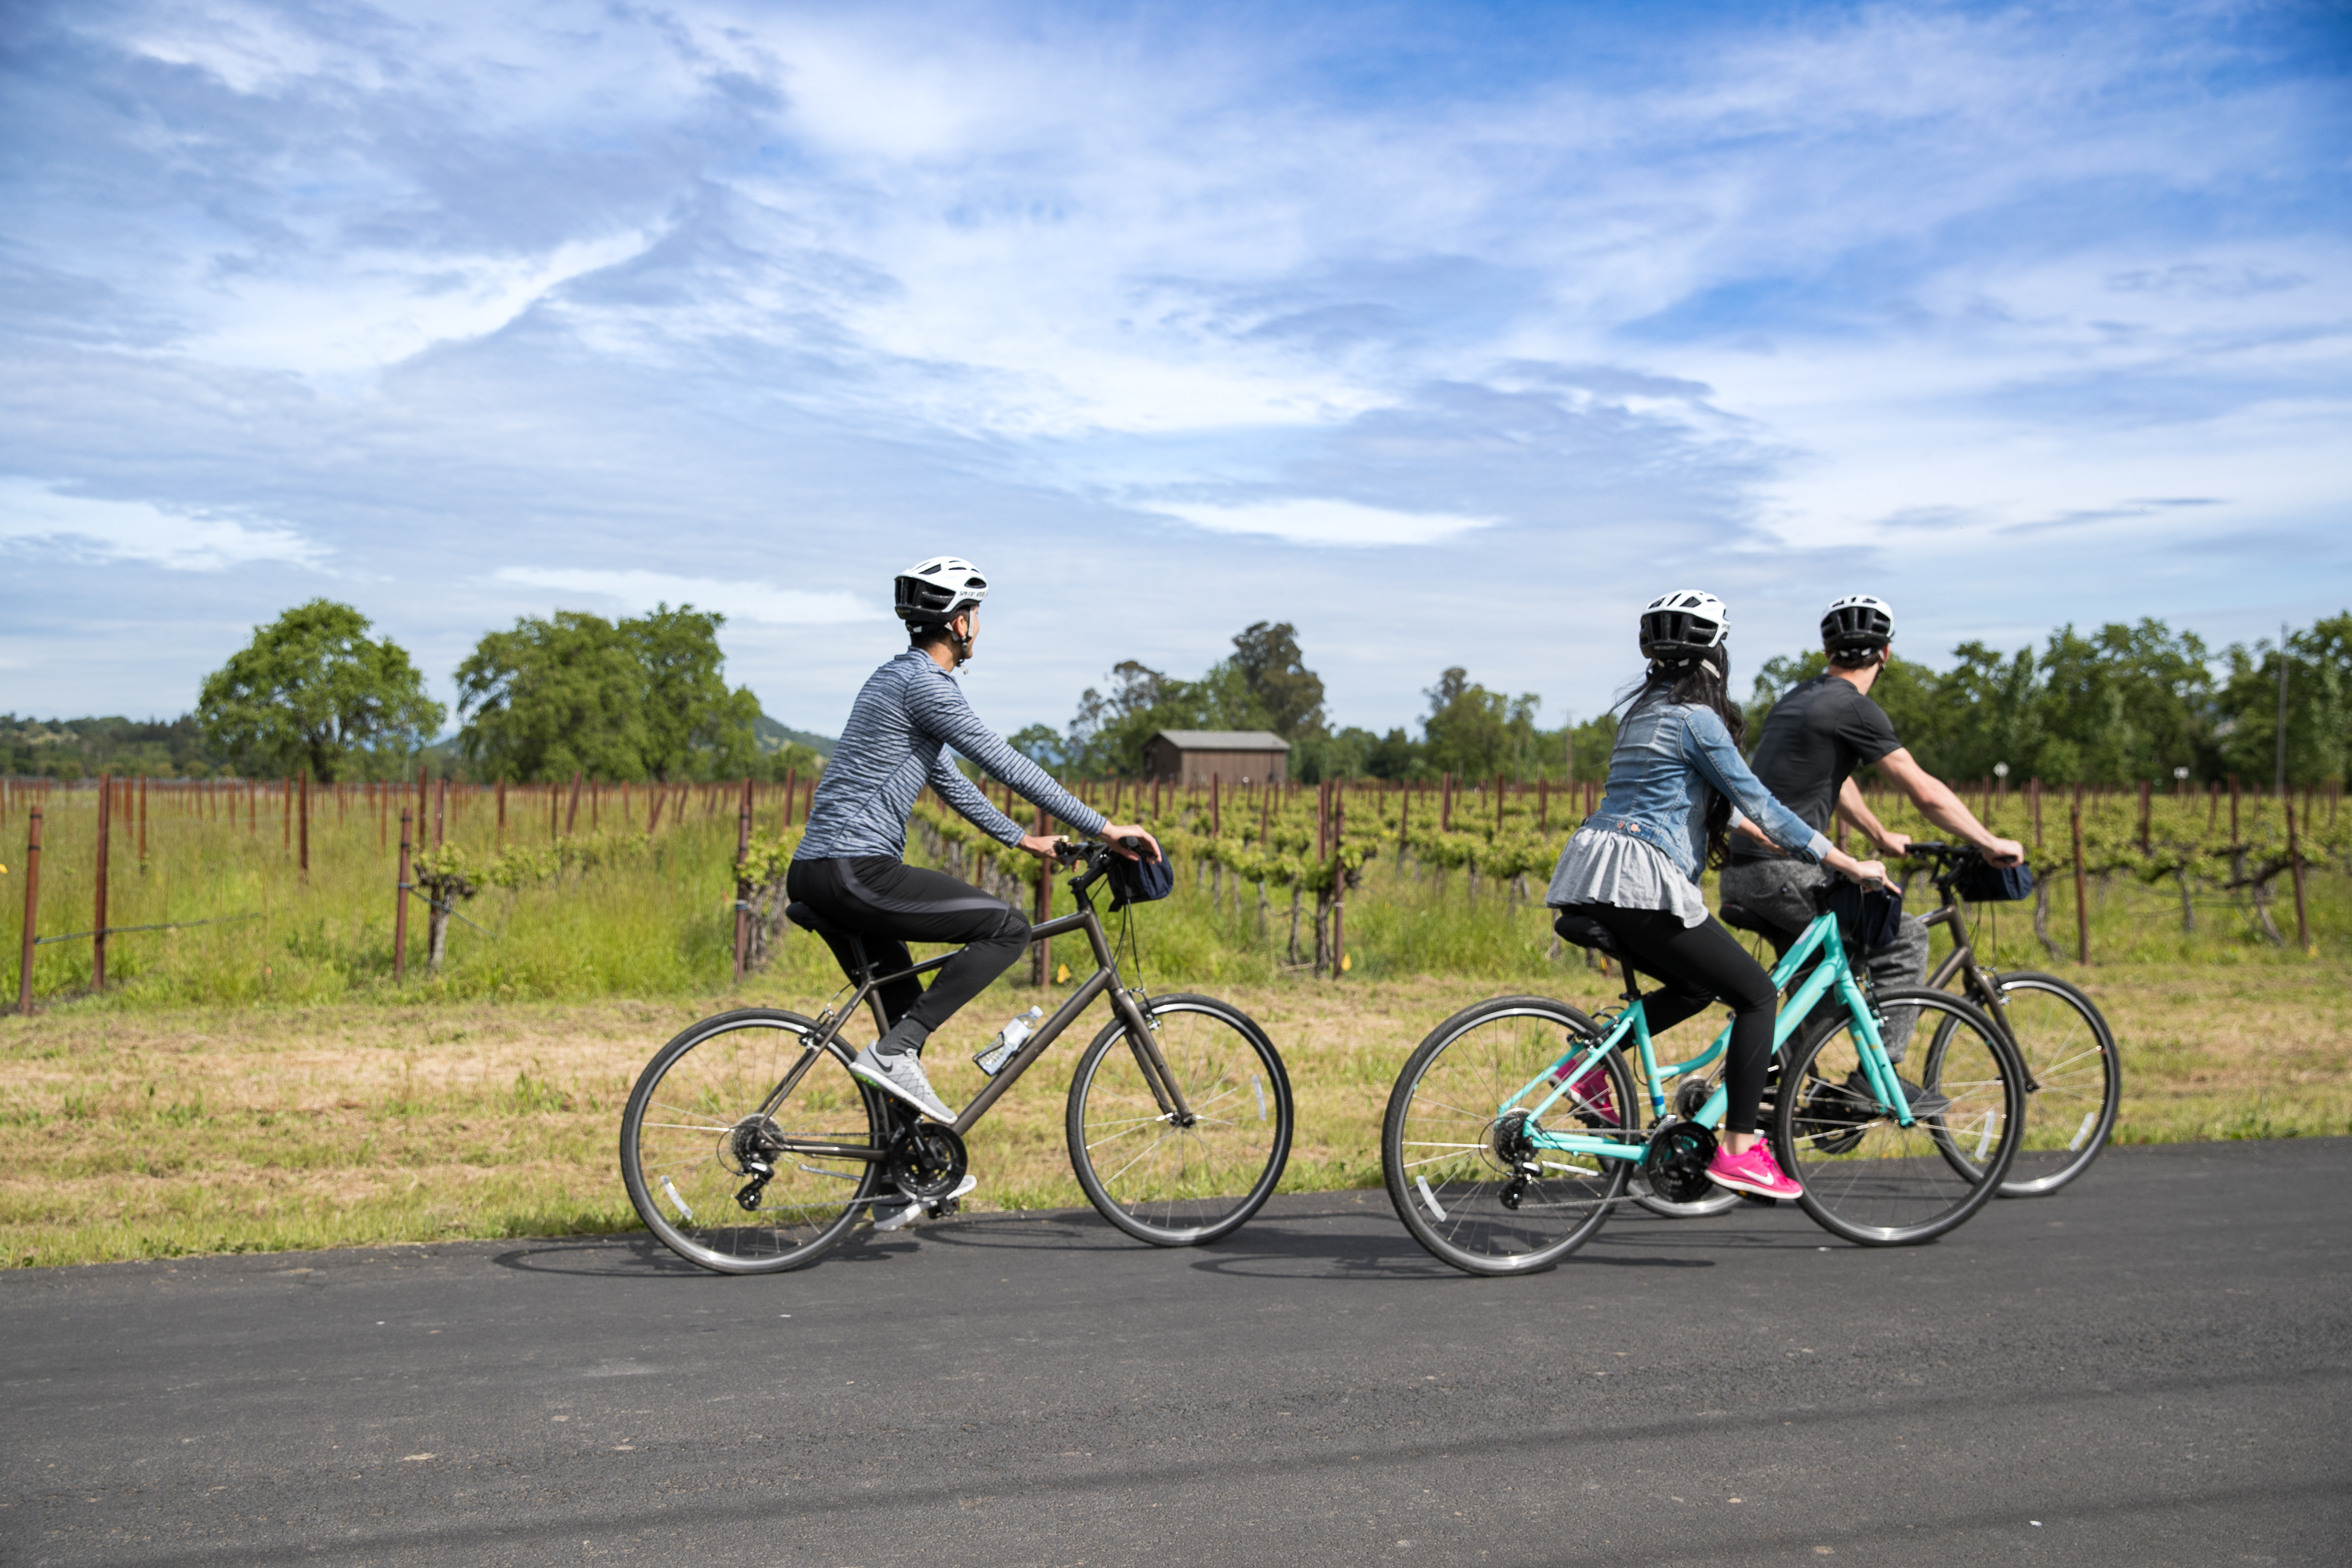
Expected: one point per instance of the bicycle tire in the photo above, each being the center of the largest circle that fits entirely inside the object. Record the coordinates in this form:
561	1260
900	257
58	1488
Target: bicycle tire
1875	1183
683	1133
2075	1080
1181	1185
1451	1189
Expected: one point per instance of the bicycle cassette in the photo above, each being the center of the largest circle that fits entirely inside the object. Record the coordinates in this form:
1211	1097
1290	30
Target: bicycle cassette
926	1162
1676	1160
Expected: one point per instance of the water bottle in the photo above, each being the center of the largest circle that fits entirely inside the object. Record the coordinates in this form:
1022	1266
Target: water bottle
1008	1040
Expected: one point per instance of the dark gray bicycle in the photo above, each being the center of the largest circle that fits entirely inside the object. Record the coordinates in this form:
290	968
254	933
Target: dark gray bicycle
749	1148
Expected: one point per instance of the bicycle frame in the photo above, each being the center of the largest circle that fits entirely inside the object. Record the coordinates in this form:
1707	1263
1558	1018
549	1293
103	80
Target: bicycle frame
1834	973
1142	1036
1981	985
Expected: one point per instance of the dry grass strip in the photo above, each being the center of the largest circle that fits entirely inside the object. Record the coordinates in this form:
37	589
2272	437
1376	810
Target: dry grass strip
131	1135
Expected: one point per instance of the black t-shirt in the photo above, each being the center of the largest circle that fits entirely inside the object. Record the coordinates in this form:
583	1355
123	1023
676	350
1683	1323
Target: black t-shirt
1813	739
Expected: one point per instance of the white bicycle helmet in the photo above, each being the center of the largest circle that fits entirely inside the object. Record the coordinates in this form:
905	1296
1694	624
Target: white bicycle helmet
1857	624
939	590
1684	625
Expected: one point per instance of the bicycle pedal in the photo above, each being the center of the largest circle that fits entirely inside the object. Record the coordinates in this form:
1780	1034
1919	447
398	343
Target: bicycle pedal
1760	1200
945	1207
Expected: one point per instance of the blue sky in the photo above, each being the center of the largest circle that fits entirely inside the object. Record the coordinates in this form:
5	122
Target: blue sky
1449	334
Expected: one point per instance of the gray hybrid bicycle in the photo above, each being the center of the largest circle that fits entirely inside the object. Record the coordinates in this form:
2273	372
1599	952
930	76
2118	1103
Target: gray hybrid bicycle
748	1148
2073	1073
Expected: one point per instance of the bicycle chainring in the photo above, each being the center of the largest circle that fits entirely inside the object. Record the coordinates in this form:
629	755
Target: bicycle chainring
926	1161
1676	1160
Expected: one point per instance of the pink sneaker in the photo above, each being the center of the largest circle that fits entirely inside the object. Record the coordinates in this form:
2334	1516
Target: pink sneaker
1754	1172
1595	1104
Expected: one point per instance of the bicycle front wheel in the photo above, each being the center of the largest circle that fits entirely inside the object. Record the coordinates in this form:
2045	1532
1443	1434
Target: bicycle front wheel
1879	1183
1180	1178
713	1144
2075	1081
1455	1147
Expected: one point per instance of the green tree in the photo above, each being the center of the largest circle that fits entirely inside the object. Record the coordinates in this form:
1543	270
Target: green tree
2125	702
694	727
641	699
313	690
2318	705
555	696
1284	689
1473	733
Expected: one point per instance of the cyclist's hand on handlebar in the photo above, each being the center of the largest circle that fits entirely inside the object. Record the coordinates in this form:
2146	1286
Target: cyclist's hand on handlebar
1869	873
2004	852
1046	845
1119	839
1895	845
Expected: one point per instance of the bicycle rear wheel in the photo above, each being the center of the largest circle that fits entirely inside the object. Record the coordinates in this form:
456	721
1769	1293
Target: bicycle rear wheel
1881	1185
707	1115
2074	1076
1458	1169
1162	1179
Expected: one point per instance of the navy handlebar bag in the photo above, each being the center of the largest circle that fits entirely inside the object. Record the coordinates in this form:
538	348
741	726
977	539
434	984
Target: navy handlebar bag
1139	881
1984	884
1867	920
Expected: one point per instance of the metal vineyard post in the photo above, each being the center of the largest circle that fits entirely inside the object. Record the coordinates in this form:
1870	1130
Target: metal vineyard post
32	911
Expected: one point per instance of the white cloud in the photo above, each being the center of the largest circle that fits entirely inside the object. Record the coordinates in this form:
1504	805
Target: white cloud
1335	522
181	540
739	600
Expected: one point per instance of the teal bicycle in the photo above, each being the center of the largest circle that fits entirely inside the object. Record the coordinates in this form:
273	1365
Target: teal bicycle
1515	1127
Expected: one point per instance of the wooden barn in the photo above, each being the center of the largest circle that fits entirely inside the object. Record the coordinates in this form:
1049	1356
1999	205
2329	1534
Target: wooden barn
1236	756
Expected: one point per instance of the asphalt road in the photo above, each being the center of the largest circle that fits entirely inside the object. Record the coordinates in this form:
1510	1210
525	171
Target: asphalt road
2150	1368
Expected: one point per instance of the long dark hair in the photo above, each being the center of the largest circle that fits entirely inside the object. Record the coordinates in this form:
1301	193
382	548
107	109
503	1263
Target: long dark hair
1703	682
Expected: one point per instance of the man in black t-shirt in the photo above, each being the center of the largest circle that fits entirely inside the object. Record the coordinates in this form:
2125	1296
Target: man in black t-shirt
1813	740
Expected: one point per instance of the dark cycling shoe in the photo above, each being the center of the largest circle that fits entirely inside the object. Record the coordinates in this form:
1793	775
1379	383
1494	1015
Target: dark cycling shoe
1926	1104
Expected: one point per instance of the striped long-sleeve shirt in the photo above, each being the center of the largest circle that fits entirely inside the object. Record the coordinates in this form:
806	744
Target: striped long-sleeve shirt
907	716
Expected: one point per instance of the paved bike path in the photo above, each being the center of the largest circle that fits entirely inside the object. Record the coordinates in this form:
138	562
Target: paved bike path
2154	1366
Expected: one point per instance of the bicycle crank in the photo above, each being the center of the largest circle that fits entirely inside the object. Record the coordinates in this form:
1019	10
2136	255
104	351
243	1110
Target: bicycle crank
926	1161
1676	1160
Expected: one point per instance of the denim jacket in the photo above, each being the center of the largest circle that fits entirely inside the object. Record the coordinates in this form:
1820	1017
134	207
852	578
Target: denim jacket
1669	756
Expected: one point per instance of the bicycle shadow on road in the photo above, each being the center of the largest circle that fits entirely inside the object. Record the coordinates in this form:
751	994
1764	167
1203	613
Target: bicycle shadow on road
640	1257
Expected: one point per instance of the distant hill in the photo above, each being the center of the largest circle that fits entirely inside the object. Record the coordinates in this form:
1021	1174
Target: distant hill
775	737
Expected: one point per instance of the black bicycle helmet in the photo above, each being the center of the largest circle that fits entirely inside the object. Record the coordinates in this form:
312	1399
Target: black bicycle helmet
1684	625
1857	627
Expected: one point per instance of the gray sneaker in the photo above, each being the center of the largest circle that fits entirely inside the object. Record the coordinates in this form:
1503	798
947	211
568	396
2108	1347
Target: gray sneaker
897	1212
1926	1104
901	1076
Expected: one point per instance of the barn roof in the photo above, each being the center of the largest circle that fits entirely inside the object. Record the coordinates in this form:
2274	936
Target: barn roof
1224	740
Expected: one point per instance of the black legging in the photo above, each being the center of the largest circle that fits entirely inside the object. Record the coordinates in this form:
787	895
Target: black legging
887	903
1697	966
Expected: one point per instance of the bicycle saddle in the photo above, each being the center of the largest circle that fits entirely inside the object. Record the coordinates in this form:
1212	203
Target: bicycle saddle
1586	932
1740	917
807	918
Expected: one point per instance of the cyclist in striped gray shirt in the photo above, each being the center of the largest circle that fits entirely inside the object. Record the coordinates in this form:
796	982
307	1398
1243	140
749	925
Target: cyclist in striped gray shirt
850	866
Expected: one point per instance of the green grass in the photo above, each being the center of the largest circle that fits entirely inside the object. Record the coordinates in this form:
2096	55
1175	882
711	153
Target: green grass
266	1085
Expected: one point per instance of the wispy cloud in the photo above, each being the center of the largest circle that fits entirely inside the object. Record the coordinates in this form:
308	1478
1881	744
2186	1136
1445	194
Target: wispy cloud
744	304
738	600
1325	521
33	515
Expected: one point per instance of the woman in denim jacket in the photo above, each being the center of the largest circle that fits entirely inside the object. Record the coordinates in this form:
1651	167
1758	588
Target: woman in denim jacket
1632	868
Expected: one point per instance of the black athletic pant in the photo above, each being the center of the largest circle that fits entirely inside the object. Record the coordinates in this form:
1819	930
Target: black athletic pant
1698	966
888	904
